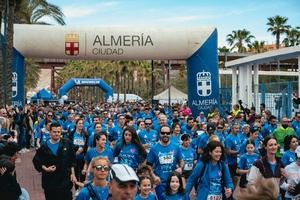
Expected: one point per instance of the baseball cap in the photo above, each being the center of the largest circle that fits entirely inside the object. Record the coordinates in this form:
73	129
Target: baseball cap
123	173
298	152
210	127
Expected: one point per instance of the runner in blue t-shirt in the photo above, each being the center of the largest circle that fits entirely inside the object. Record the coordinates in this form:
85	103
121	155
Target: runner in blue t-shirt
246	161
176	135
101	149
117	130
211	175
44	135
290	146
164	157
148	137
232	145
129	150
98	187
189	156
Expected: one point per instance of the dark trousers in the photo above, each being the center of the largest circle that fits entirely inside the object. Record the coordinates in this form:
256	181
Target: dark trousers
28	138
22	137
62	194
78	168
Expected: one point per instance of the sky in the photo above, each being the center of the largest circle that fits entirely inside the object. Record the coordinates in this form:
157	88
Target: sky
225	15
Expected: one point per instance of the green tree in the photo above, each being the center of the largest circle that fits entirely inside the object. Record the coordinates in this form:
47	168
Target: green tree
278	26
293	37
257	46
8	8
239	39
223	49
33	12
32	74
19	11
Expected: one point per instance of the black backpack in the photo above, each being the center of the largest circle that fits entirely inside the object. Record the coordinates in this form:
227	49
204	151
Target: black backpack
92	191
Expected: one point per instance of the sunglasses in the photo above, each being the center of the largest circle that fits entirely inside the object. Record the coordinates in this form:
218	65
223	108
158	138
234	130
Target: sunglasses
49	115
220	127
165	133
102	168
148	123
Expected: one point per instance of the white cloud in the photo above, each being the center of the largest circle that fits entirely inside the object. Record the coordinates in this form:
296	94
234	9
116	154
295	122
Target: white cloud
81	11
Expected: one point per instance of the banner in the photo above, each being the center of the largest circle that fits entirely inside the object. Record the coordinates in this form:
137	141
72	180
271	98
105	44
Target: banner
203	77
18	79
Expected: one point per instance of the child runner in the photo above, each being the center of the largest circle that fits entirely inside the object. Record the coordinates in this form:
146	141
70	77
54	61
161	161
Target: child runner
145	189
246	162
174	188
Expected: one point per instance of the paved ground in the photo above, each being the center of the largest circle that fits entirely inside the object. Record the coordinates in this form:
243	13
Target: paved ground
28	177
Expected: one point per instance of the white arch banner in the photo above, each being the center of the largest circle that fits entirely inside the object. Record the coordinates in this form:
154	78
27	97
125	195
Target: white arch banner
61	42
197	45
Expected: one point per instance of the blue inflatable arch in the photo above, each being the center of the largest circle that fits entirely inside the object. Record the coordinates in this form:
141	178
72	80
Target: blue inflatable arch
86	82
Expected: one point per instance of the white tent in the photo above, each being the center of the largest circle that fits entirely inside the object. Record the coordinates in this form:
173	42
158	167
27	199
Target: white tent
176	96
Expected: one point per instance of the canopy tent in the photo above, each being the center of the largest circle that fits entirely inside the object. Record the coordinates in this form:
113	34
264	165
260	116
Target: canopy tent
43	94
176	96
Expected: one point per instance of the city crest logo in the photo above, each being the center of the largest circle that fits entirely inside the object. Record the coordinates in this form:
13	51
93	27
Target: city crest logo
71	44
204	84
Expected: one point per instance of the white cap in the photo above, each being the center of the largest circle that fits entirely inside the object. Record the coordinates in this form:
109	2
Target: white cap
123	173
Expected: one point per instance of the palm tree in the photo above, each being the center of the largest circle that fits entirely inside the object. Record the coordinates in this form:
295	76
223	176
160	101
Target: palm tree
293	37
277	26
257	46
223	49
238	39
33	11
7	17
32	71
19	11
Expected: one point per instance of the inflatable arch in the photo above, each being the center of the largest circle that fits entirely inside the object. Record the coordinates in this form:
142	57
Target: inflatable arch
86	82
196	45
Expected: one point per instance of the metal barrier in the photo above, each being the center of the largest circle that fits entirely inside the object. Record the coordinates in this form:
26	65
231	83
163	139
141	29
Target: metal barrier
276	96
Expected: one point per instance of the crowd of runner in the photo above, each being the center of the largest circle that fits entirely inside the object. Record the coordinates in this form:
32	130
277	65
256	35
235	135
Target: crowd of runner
175	155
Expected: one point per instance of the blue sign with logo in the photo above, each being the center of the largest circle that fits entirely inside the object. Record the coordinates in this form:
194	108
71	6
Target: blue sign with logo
203	77
18	84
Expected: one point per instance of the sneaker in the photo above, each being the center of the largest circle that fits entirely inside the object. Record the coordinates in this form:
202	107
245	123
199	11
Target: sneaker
22	150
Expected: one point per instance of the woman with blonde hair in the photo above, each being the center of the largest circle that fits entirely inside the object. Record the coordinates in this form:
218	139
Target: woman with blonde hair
265	189
97	187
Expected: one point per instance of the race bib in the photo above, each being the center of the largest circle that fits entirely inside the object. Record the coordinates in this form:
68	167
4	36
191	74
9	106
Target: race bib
78	142
188	167
214	197
166	159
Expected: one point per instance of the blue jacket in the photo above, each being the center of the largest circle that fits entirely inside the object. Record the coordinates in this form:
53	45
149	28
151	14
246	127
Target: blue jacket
203	187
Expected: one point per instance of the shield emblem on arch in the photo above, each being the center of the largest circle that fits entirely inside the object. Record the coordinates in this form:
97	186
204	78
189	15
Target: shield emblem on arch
204	86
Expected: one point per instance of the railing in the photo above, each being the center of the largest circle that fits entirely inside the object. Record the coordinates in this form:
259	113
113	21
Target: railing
276	96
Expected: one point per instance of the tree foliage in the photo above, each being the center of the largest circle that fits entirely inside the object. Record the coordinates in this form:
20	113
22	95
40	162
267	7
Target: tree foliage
239	39
278	26
124	76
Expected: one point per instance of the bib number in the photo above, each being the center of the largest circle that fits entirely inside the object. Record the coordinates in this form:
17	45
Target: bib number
214	197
